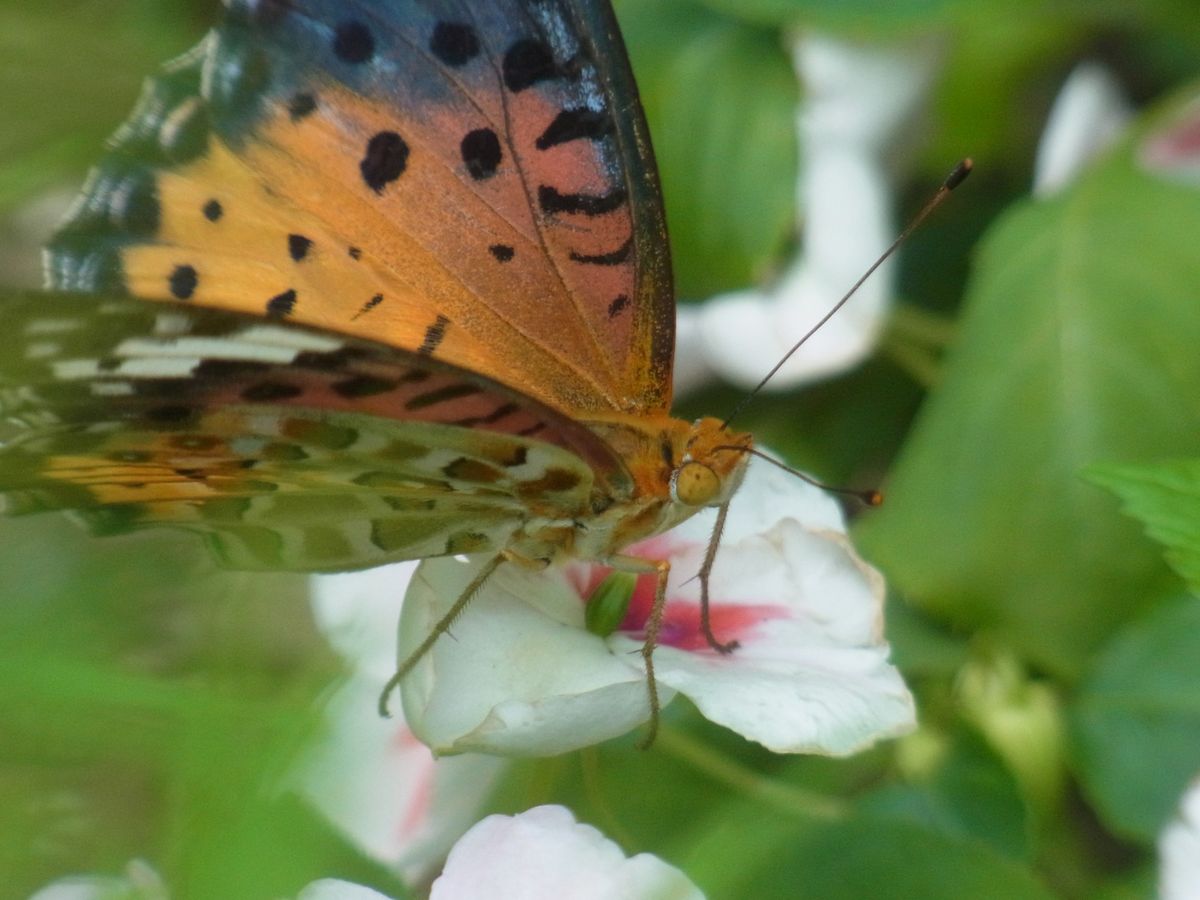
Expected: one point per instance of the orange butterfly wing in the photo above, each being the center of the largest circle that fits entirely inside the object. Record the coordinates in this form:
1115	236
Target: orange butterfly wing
460	180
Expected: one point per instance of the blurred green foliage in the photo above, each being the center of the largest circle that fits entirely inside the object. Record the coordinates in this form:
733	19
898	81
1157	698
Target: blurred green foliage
150	705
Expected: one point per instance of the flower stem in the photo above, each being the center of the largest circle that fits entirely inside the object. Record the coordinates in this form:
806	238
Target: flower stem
786	797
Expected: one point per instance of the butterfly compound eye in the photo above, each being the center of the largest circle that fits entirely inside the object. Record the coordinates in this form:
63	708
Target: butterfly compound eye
695	484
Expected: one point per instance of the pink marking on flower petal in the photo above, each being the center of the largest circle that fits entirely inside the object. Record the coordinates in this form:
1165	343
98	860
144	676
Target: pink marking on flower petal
731	621
416	760
1176	145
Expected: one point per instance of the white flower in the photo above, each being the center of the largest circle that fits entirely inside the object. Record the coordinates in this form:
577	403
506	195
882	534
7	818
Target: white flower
545	853
858	100
1088	115
1179	851
336	889
519	674
139	882
369	775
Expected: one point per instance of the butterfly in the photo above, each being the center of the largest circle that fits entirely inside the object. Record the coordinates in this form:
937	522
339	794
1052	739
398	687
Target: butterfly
361	282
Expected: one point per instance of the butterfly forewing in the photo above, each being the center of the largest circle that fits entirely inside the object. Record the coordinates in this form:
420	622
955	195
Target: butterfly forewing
455	179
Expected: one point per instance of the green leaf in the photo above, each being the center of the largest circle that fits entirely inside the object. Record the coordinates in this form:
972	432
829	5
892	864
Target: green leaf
1166	499
857	13
969	795
721	99
1136	722
70	79
876	857
1073	349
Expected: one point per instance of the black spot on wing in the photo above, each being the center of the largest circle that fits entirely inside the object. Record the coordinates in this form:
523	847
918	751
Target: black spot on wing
368	306
454	43
617	306
502	252
613	258
271	392
183	282
434	335
526	63
385	160
552	202
500	412
353	43
363	386
282	304
441	395
170	415
213	210
301	106
575	124
228	369
355	253
481	153
298	246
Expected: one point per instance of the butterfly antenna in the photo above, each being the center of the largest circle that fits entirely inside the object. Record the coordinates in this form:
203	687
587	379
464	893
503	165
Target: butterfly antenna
869	497
953	180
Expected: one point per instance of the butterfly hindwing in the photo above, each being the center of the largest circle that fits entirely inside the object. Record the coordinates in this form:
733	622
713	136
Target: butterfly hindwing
447	177
289	448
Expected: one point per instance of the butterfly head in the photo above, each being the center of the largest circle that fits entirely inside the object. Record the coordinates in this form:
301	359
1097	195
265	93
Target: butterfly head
712	466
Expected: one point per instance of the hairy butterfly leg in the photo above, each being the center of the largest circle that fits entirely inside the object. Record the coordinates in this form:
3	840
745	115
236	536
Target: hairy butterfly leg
442	626
710	557
661	568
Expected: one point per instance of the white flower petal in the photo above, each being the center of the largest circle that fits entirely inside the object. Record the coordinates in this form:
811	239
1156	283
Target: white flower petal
857	99
371	776
545	853
518	674
336	889
811	674
1179	851
358	611
381	786
1089	113
140	882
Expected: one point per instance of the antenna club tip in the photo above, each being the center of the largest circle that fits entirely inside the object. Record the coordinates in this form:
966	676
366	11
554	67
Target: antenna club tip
960	173
872	498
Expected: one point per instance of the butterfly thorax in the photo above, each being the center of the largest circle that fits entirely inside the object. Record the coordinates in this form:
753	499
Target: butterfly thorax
678	468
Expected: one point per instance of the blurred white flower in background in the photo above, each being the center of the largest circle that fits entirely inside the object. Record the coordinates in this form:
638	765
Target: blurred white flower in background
370	775
1179	851
544	854
540	854
1088	115
858	102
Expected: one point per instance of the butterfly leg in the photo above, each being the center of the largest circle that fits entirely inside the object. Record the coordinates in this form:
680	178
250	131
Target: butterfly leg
662	570
439	629
710	557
